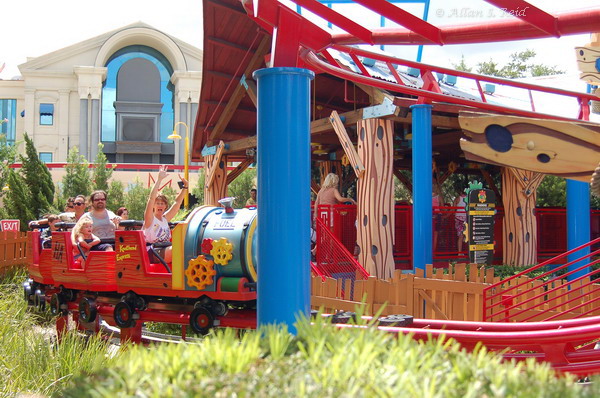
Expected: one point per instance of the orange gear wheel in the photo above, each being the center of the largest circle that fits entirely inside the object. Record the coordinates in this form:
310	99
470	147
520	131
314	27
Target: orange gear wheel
221	251
200	272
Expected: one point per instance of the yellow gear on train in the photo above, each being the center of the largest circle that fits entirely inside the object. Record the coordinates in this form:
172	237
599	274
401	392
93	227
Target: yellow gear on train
222	251
200	272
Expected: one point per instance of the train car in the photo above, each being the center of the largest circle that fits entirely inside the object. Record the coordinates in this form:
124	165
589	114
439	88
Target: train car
213	273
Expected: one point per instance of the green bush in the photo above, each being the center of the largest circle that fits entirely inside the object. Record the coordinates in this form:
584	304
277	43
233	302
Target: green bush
31	361
135	200
321	361
240	187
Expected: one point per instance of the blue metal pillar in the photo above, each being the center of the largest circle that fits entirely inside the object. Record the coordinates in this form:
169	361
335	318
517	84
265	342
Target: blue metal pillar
578	224
283	164
422	186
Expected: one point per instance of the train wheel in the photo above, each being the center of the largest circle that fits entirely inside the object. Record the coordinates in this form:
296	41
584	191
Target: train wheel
123	315
87	309
58	304
219	308
27	292
201	320
39	300
68	294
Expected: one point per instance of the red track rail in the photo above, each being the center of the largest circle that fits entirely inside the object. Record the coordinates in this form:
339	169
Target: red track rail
430	90
568	346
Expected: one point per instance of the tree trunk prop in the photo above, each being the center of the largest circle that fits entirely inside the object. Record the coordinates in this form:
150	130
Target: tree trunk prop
375	233
519	192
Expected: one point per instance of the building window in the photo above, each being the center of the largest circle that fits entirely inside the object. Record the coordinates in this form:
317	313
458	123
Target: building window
46	114
46	157
8	117
142	56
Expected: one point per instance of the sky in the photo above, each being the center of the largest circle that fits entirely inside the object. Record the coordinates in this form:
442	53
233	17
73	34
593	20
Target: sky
53	26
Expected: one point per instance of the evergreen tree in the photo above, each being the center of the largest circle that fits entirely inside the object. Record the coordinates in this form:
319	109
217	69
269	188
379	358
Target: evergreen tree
116	195
37	179
15	203
101	173
136	199
77	180
8	156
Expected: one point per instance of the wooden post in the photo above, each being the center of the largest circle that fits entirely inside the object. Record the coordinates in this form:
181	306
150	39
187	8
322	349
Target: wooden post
215	186
375	233
519	191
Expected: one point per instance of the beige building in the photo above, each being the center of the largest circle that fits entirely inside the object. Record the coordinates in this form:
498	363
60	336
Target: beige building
126	88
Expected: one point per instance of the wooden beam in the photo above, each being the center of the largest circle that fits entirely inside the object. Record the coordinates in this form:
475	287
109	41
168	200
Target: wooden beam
239	91
241	144
251	91
212	171
321	125
233	174
314	187
402	178
340	130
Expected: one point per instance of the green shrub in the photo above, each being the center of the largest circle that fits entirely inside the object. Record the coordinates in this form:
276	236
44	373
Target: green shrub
31	361
136	199
321	361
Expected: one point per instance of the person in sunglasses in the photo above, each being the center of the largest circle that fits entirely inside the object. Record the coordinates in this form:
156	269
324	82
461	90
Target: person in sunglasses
79	209
105	221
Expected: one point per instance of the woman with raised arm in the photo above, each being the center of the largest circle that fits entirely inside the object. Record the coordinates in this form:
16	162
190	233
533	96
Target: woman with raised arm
156	216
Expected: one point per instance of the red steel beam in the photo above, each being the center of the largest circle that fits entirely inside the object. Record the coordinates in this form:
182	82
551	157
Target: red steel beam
337	19
567	23
528	13
394	13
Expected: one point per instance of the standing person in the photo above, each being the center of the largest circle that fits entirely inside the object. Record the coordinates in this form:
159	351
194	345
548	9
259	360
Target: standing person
329	194
156	216
252	199
460	219
104	221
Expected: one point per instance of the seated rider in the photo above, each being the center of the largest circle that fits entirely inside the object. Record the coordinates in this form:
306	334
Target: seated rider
156	216
46	234
82	235
104	221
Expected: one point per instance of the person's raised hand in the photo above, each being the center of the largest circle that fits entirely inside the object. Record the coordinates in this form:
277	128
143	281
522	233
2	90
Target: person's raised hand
162	172
185	182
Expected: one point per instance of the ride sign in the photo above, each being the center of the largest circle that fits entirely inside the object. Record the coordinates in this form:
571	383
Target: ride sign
10	225
481	212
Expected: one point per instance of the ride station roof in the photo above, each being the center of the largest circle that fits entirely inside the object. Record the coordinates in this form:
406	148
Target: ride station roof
238	39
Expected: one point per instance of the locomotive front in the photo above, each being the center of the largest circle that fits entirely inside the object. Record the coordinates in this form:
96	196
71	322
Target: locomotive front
215	250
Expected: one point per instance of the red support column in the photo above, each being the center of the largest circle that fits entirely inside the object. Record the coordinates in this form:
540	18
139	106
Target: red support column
132	334
62	326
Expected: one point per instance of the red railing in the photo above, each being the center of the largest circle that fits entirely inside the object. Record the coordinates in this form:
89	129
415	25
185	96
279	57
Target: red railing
332	257
551	229
509	299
